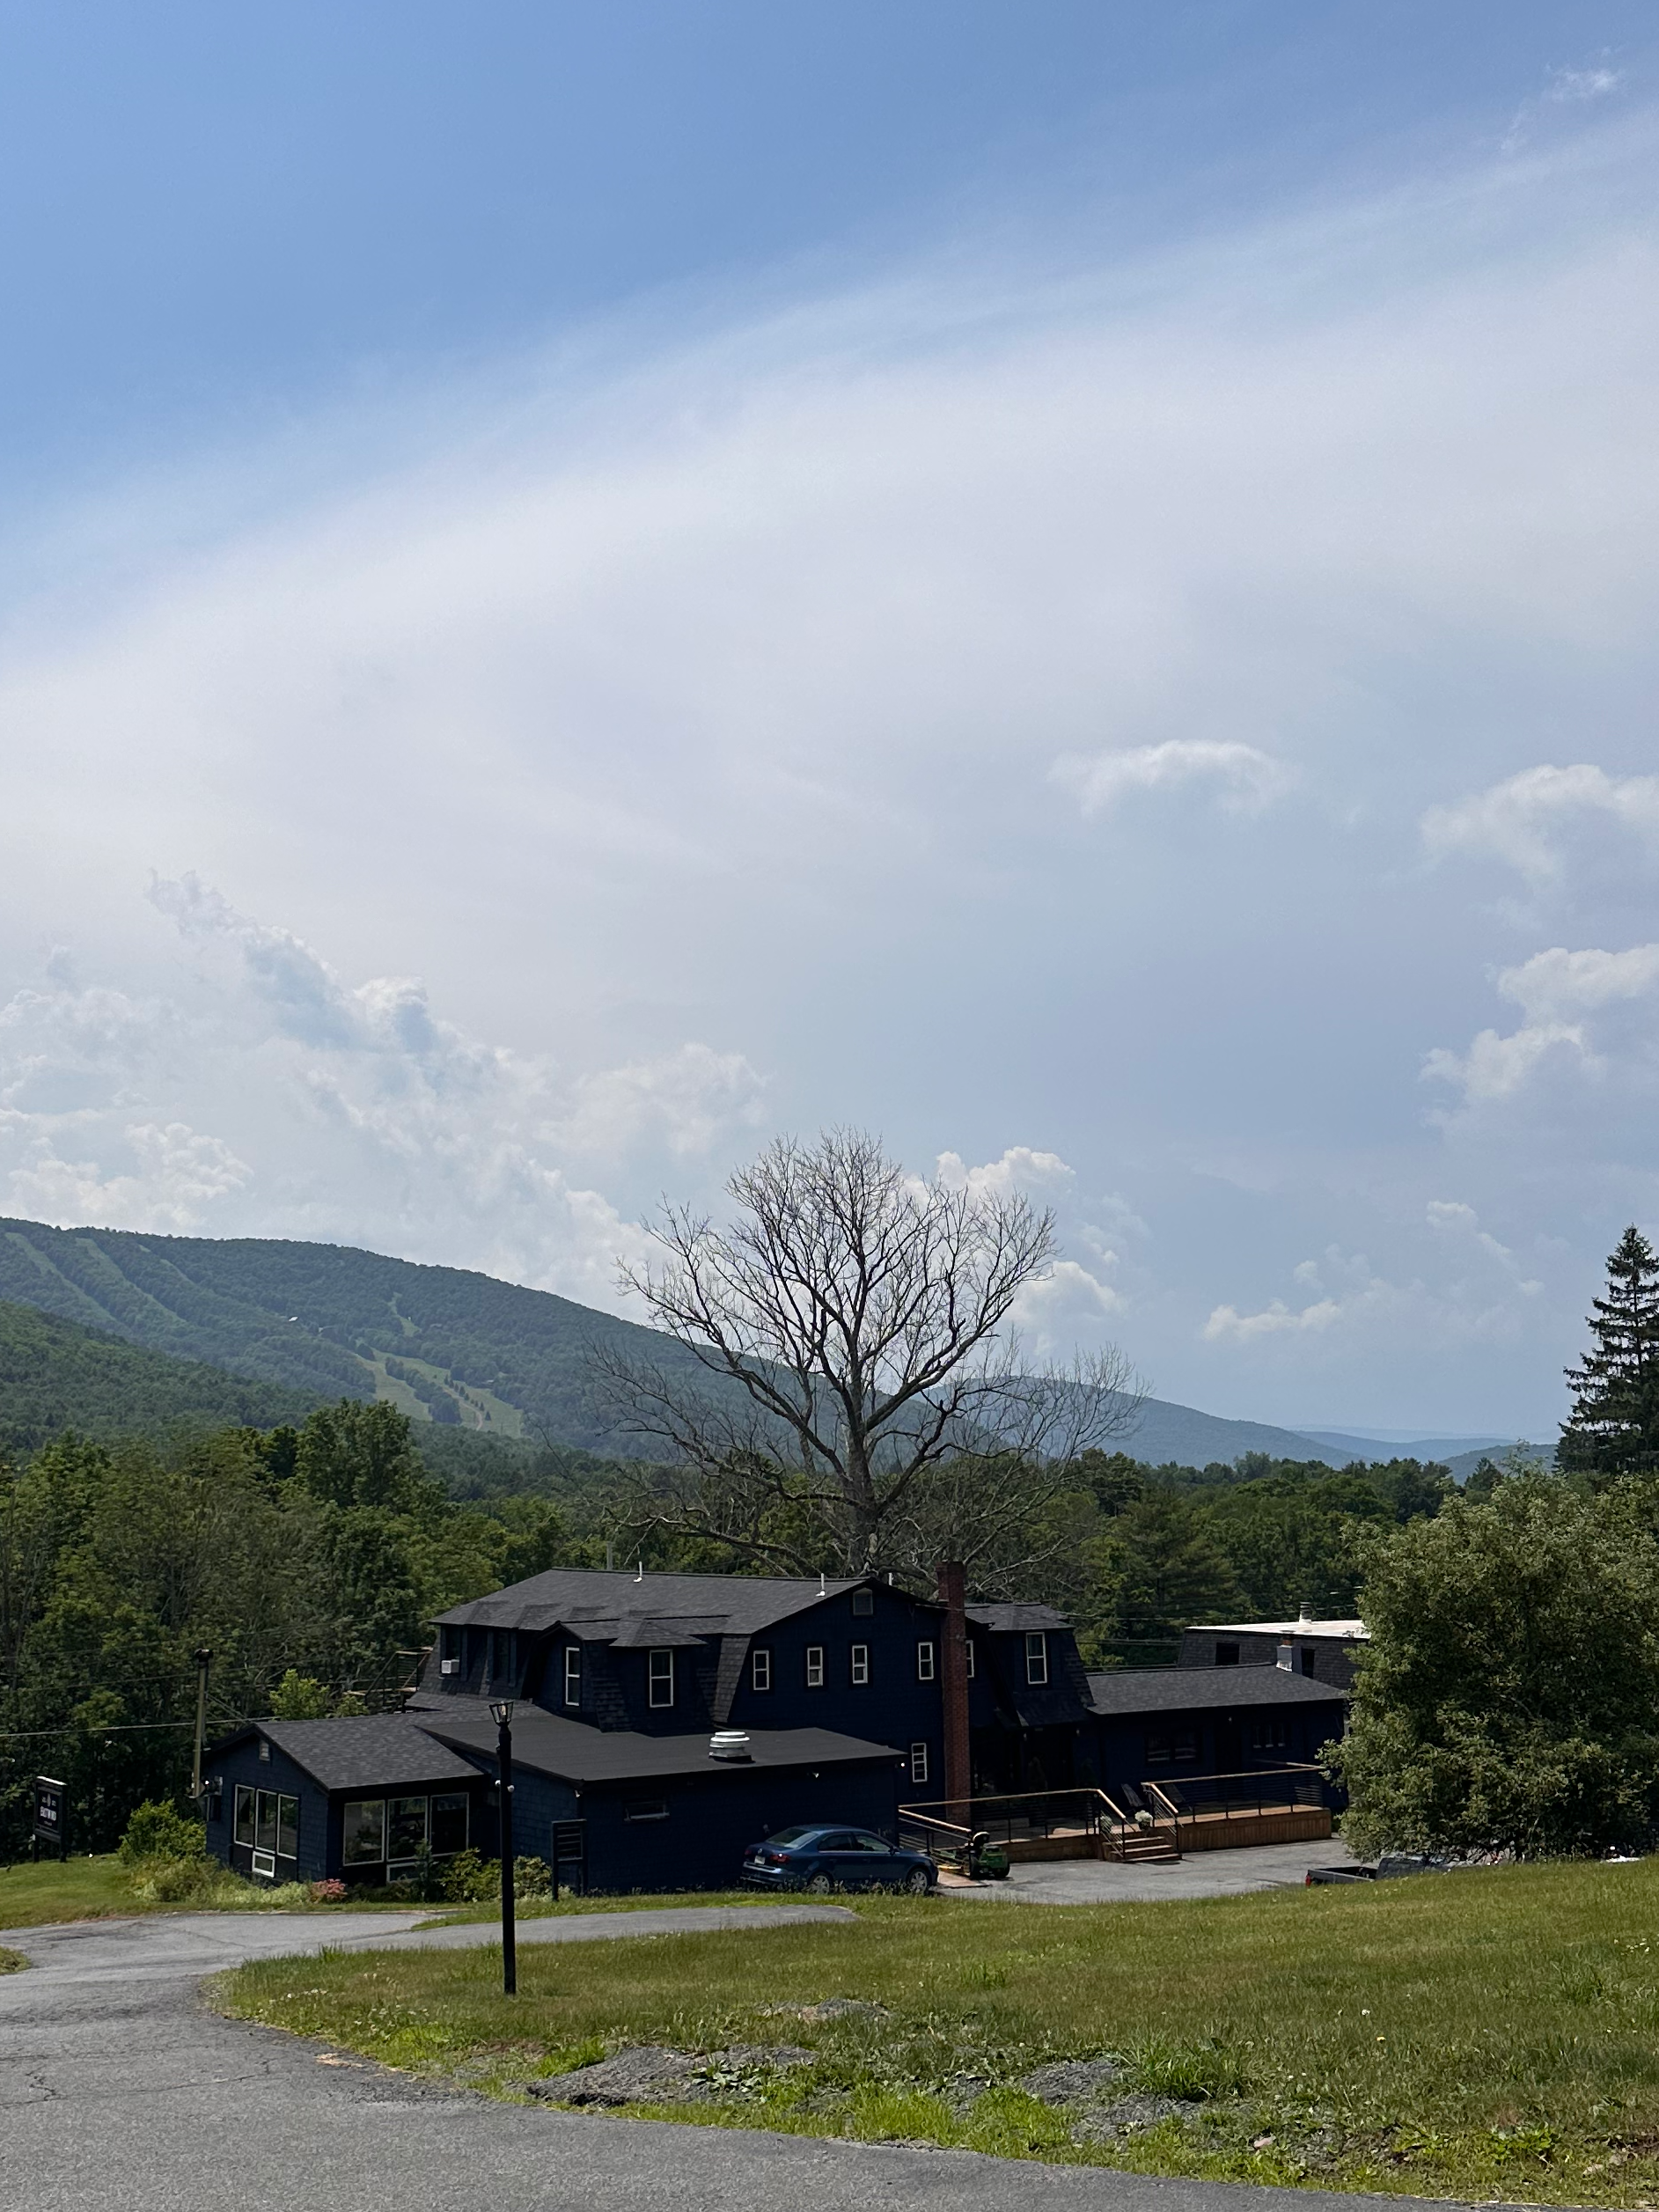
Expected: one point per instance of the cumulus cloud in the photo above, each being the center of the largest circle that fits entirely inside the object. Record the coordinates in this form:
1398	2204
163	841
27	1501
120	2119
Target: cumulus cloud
1241	778
346	1111
1575	1013
1473	1300
1525	819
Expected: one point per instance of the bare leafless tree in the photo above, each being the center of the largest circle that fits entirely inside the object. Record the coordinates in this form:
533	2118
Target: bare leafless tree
855	1397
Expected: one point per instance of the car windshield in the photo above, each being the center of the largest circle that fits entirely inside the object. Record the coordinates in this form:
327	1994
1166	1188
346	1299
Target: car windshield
791	1836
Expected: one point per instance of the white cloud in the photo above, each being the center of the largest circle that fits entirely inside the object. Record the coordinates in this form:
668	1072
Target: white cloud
689	1100
1594	80
1242	778
178	1175
1226	1322
1525	819
1566	999
349	1113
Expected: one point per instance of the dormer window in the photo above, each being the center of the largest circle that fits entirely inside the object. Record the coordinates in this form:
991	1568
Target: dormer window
573	1674
864	1604
661	1678
1036	1659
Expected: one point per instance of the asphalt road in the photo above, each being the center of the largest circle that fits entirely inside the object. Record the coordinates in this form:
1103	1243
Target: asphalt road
120	2092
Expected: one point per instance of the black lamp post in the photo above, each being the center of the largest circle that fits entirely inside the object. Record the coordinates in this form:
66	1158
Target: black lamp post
501	1712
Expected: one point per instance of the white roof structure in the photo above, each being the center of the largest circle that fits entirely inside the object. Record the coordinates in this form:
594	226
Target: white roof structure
1341	1631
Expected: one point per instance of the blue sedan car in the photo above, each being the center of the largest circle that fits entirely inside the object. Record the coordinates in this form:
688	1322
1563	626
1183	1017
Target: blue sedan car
823	1858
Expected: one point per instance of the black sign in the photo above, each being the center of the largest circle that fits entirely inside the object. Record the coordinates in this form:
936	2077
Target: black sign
51	1811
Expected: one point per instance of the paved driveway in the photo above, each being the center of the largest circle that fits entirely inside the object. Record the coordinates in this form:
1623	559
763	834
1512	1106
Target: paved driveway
119	2092
1263	1866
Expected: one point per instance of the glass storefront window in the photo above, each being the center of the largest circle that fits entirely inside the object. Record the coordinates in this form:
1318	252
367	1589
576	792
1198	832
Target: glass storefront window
363	1831
265	1823
288	1827
406	1827
245	1800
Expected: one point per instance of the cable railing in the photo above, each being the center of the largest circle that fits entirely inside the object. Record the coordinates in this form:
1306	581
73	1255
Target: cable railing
1128	1815
953	1825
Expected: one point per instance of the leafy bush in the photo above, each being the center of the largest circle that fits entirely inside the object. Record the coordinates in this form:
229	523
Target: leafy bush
469	1880
328	1891
160	1831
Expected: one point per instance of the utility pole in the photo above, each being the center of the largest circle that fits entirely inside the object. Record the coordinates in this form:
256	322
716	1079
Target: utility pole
501	1712
204	1660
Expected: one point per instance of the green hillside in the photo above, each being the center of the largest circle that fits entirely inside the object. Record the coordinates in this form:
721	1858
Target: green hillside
56	1376
326	1321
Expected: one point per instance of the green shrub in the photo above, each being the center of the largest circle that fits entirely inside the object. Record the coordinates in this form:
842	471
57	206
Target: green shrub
160	1831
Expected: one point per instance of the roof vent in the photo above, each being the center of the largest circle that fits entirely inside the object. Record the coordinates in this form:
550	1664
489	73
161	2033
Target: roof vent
1287	1659
1306	1612
730	1743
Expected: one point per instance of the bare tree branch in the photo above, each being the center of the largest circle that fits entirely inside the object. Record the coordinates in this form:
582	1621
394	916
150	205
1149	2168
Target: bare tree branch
850	1332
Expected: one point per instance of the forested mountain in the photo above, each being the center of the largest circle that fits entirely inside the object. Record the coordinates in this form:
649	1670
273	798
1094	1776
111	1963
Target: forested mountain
326	1321
56	1376
446	1345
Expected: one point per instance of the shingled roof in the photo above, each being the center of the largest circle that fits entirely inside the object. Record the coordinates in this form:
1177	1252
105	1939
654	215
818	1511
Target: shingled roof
383	1751
601	1607
547	1744
1128	1691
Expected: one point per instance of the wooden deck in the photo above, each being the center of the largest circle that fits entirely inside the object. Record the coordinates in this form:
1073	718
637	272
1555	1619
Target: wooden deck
1202	1831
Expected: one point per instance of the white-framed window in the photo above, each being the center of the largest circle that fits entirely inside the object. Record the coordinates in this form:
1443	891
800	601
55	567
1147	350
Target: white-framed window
918	1762
246	1801
814	1667
573	1674
925	1662
661	1678
860	1656
276	1821
760	1667
1036	1658
972	1656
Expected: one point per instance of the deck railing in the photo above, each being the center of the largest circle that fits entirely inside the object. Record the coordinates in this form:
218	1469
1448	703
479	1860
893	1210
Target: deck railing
947	1826
1161	1807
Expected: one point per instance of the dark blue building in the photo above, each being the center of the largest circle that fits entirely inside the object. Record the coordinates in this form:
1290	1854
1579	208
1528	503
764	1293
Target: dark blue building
828	1698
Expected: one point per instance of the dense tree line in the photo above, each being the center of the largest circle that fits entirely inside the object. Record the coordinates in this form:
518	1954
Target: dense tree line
319	1552
1509	1698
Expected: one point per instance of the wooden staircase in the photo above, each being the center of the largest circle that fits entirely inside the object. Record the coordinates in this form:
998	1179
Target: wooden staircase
1150	1846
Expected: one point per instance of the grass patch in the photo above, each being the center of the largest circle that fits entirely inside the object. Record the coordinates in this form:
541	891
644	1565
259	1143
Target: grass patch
12	1962
100	1888
544	1907
1491	2034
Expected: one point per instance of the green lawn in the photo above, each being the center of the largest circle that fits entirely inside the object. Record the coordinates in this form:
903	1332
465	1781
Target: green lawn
34	1896
72	1889
1489	2034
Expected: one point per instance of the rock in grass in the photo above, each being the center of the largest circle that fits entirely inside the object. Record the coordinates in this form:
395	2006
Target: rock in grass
650	2071
651	2074
1072	2081
1127	2116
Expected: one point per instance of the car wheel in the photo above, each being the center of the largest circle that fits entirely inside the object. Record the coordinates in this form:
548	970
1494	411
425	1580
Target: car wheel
917	1882
820	1886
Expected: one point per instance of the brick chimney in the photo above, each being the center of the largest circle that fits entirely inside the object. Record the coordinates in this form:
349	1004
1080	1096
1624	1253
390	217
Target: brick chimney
958	1775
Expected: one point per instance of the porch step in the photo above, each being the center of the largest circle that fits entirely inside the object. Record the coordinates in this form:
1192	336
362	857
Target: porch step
1149	1851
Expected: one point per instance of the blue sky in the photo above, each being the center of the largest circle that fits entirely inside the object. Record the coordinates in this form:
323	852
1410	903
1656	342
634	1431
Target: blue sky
1074	584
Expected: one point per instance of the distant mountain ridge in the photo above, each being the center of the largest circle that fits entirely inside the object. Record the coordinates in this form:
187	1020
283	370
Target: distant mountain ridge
316	1322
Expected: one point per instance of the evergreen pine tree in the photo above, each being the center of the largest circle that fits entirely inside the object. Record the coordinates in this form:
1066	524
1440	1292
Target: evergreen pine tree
1614	1426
